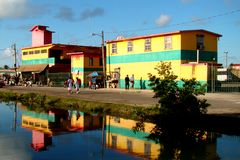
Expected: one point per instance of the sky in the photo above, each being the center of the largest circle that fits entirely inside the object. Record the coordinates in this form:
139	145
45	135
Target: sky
74	21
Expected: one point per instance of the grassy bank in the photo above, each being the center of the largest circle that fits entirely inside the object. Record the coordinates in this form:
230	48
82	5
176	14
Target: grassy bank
39	102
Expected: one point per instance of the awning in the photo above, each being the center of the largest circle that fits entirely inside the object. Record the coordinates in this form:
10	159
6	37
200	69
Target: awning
38	68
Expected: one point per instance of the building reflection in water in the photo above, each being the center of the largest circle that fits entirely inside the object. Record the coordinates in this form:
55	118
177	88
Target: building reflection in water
120	136
56	122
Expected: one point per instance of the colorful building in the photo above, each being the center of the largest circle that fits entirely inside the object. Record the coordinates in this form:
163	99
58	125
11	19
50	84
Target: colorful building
45	60
191	53
120	136
85	62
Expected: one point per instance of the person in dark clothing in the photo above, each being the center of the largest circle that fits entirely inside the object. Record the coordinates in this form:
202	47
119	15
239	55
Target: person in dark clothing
127	82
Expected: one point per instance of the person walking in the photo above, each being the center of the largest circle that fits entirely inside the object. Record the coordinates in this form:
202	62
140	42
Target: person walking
70	85
132	81
127	82
78	84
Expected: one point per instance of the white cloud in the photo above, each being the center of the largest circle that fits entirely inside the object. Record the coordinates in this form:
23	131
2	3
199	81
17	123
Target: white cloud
8	52
163	20
20	9
12	8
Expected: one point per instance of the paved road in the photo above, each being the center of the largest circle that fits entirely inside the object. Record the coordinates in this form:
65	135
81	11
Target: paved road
221	103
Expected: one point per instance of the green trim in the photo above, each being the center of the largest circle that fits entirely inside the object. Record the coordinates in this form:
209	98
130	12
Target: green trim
39	61
162	56
43	116
80	69
145	84
127	132
76	69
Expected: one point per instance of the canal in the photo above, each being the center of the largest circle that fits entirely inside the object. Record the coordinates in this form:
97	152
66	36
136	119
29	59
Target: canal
70	134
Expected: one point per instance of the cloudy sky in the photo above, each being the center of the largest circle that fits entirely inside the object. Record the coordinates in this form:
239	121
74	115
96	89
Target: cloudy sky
74	21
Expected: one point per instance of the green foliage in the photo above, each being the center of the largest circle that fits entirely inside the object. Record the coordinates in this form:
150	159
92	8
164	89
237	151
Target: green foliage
177	100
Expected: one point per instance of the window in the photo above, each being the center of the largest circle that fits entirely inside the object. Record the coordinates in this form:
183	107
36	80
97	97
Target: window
200	42
31	52
168	42
114	48
148	44
37	51
100	62
129	145
147	149
114	141
130	46
90	61
44	51
25	53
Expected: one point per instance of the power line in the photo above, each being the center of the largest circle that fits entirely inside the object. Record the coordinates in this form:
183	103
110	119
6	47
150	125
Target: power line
178	24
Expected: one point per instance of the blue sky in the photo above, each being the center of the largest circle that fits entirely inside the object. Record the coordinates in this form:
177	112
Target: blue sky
75	20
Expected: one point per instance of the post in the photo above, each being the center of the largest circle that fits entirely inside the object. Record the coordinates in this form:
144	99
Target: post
103	61
15	57
226	59
197	56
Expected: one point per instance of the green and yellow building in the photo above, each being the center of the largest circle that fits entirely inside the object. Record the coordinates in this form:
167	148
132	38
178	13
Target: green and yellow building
44	59
121	137
191	53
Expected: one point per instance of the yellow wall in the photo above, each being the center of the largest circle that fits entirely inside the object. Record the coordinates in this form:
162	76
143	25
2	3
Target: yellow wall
198	71
137	145
127	123
142	69
189	41
157	44
35	56
36	124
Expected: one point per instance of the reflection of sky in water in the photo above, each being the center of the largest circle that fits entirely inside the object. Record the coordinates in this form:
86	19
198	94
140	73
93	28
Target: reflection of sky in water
77	145
16	145
228	147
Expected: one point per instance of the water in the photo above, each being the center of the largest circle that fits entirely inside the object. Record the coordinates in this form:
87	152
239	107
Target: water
61	134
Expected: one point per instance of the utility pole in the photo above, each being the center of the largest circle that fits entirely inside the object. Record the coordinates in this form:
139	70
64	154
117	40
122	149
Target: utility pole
226	59
15	57
103	56
103	61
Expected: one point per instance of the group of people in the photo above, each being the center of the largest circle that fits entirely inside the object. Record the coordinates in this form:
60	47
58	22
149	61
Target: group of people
128	81
71	83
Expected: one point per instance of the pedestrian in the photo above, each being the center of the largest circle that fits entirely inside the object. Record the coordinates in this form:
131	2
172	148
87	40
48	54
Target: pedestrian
127	82
70	85
141	83
94	80
78	84
132	81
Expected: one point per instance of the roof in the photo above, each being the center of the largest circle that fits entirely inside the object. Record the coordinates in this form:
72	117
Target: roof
164	34
40	27
38	68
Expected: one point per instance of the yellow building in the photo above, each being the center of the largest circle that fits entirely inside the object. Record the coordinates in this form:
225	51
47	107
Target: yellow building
191	53
120	136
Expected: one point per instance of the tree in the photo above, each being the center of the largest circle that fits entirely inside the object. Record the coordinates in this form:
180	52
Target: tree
179	111
6	66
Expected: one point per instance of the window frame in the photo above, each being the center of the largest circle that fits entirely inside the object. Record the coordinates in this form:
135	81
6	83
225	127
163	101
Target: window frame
148	44
114	48
90	61
168	42
200	42
130	46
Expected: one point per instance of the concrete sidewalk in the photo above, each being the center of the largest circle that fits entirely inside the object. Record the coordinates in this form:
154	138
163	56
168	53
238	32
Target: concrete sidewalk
221	103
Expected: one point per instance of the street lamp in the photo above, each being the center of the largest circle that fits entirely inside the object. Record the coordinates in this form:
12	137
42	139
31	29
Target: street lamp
103	57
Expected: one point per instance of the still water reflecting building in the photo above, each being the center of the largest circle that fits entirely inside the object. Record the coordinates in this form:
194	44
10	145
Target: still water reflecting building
56	122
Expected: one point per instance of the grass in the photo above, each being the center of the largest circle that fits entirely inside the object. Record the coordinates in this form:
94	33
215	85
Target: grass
40	102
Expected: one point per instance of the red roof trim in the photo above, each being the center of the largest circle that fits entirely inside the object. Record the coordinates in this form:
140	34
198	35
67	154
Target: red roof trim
74	53
164	34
